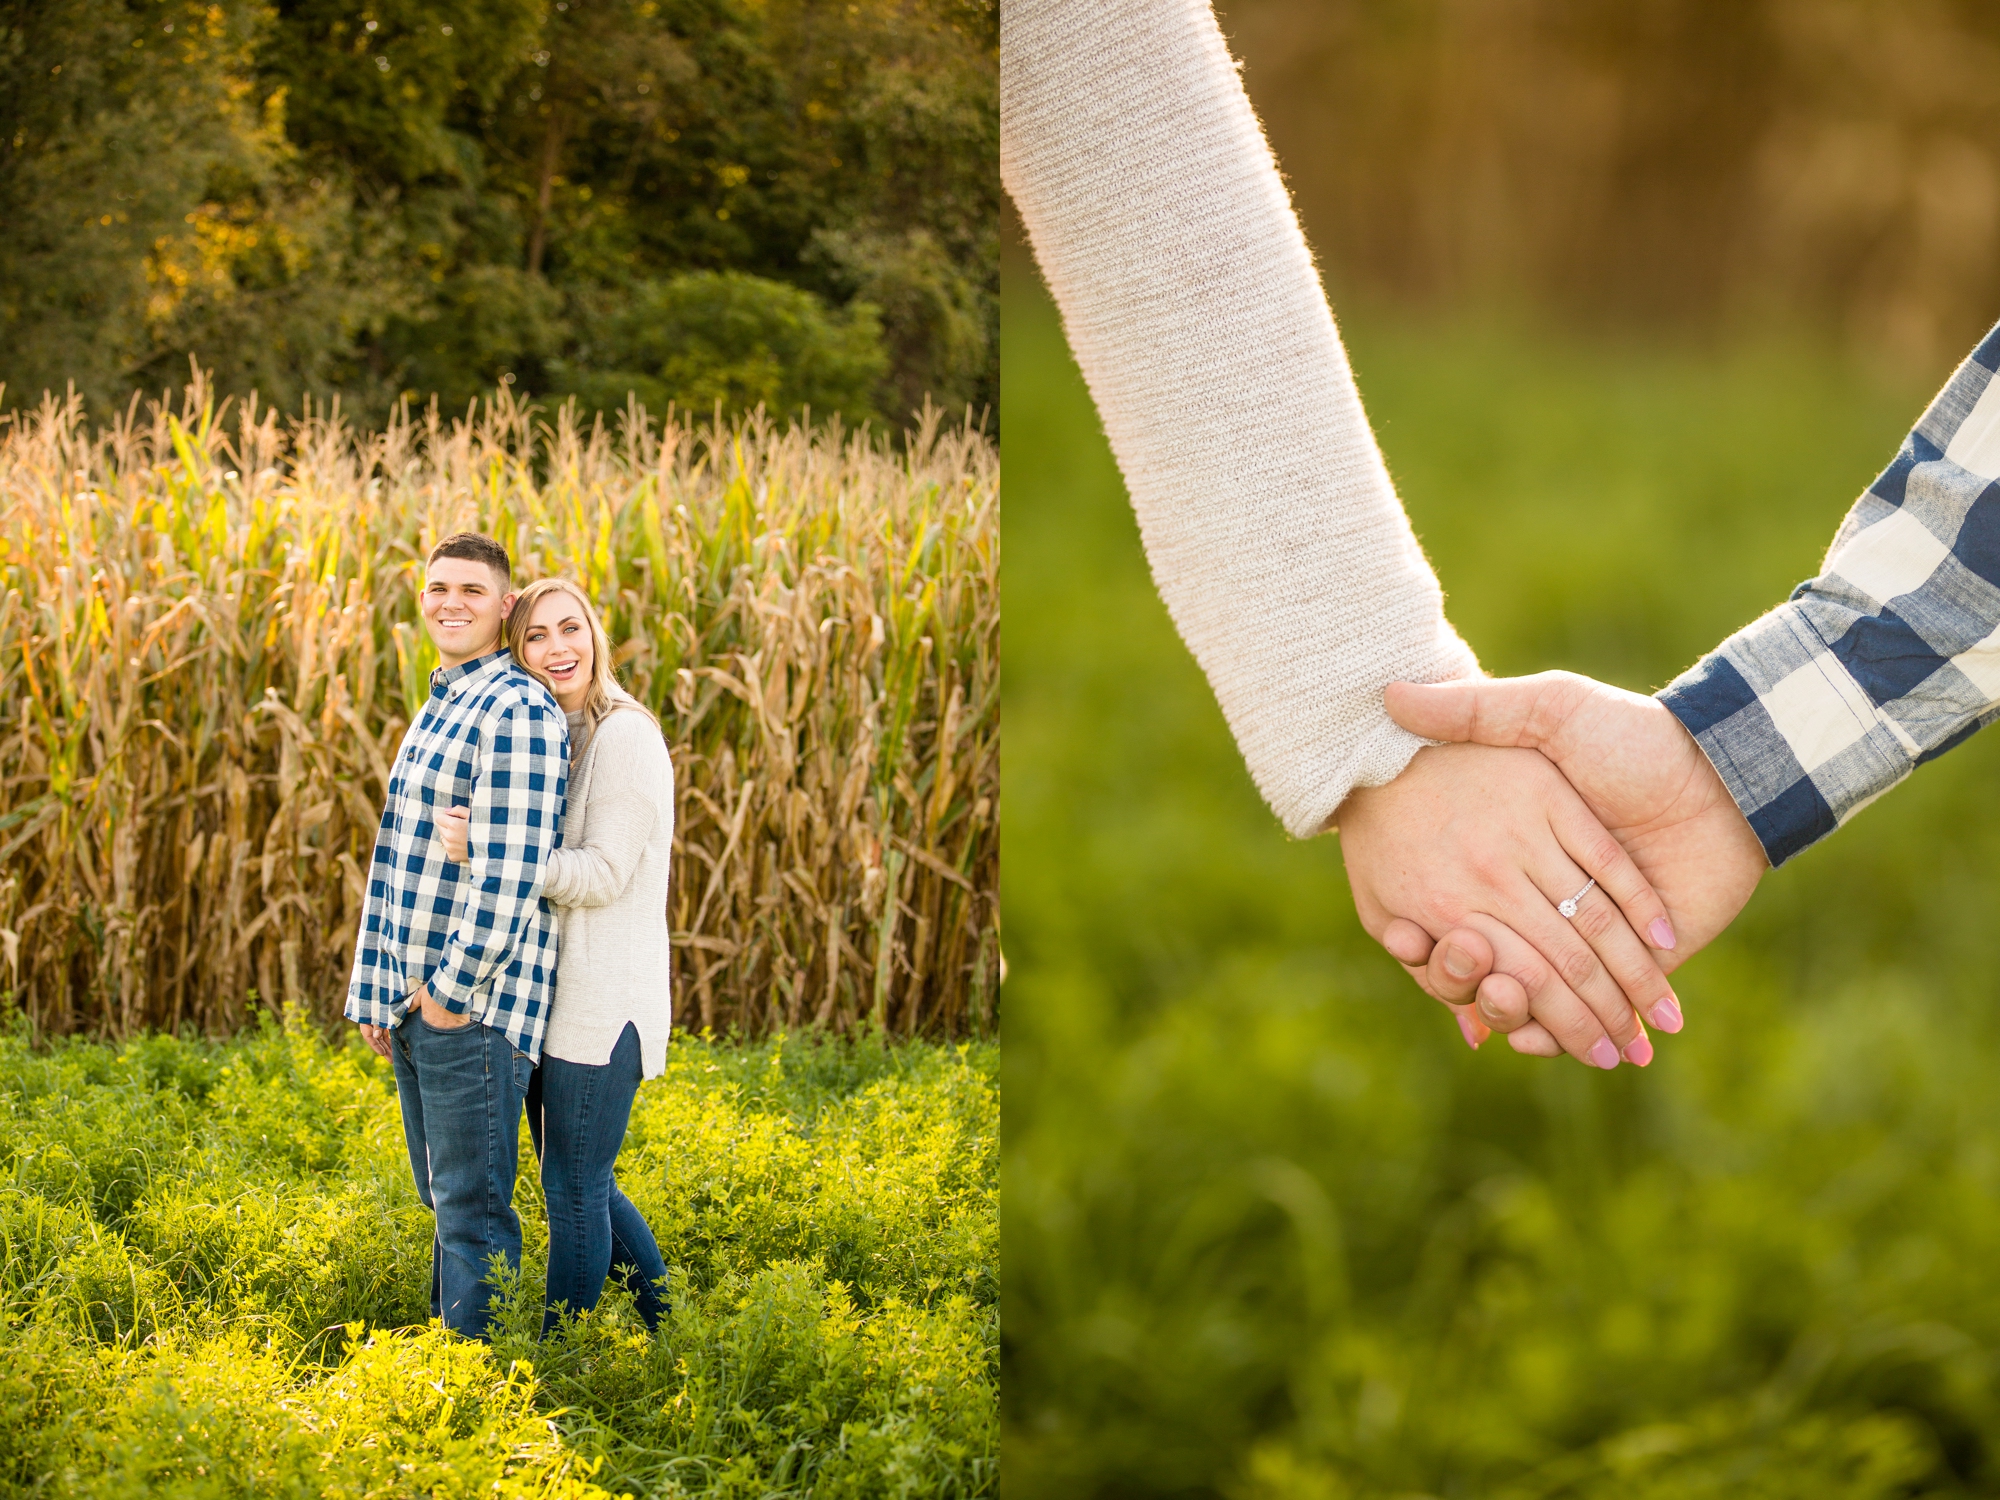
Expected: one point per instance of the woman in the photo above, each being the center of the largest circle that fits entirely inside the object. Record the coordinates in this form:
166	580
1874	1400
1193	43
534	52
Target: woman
1190	299
612	1009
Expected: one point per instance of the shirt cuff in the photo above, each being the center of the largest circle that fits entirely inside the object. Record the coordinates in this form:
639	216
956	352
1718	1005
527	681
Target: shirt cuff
370	1010
451	989
1800	744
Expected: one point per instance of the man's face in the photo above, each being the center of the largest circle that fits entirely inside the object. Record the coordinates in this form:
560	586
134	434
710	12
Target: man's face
463	602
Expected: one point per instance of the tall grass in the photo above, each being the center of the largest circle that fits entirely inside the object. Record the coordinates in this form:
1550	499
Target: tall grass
209	648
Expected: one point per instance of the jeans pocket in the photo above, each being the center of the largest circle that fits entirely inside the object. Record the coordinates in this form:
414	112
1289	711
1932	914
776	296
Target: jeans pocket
424	1021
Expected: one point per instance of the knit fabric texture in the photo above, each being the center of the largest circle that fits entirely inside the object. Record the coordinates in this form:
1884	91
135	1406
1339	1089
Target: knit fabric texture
608	885
1190	300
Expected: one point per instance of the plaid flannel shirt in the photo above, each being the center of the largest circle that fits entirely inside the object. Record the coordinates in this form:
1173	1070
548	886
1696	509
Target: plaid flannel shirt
490	738
1890	657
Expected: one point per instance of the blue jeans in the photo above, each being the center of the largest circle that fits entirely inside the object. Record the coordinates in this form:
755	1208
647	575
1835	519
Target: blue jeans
577	1116
461	1093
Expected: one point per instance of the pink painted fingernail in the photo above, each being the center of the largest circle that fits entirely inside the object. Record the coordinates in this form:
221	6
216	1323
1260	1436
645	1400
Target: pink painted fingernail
1469	1030
1639	1051
1666	1015
1661	934
1603	1054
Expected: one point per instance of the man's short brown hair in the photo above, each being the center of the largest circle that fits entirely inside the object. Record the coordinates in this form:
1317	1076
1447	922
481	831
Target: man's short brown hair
475	547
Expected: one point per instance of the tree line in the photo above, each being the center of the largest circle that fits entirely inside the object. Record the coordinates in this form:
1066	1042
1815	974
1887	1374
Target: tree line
697	201
1679	164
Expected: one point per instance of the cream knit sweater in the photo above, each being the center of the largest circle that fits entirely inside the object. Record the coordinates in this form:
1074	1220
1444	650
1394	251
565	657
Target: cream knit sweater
608	882
1191	302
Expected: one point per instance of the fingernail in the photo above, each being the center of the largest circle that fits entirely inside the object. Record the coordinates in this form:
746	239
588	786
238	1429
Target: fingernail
1469	1029
1457	962
1603	1054
1666	1015
1639	1051
1661	934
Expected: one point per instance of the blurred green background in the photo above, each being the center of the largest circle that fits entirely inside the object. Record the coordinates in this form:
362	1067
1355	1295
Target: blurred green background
1270	1229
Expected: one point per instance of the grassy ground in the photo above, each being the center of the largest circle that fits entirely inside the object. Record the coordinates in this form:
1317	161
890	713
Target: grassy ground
213	1272
1271	1230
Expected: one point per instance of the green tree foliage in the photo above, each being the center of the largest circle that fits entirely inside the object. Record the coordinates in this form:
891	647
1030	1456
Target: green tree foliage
726	337
429	196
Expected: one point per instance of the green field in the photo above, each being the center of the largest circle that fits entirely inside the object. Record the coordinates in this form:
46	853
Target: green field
214	1272
1271	1230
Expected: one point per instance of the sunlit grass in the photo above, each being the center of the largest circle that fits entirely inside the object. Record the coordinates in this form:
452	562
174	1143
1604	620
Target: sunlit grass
214	1277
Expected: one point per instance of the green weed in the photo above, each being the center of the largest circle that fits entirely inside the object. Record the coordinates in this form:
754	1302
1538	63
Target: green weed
214	1276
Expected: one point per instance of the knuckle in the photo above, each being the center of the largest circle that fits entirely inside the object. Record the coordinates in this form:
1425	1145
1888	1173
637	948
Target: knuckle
1578	967
1603	851
1534	977
1595	919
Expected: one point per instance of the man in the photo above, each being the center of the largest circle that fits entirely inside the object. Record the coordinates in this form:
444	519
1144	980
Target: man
455	964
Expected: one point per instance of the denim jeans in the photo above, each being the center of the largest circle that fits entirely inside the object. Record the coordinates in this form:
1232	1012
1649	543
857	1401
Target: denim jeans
461	1091
577	1116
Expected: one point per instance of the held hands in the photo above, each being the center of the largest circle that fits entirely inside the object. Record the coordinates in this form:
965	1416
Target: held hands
1484	843
1639	774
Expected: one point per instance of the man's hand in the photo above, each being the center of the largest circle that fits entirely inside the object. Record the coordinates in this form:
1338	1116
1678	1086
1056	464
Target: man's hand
452	825
1641	775
1491	840
377	1038
436	1014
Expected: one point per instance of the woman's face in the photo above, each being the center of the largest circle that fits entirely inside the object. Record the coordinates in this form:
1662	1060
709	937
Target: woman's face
556	647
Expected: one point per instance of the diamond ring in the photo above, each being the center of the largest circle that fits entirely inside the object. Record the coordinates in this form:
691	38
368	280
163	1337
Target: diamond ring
1568	908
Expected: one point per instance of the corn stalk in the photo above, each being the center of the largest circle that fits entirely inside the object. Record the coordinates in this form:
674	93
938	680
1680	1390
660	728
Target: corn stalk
209	649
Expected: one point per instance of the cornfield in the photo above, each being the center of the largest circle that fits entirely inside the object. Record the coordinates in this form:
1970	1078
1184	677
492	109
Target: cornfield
209	649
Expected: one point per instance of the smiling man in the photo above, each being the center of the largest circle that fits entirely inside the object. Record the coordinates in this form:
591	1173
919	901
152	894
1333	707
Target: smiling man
455	964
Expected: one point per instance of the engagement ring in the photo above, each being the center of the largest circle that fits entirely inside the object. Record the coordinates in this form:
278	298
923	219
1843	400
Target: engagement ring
1568	908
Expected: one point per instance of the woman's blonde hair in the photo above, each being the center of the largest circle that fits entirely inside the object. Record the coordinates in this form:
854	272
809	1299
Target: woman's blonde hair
604	690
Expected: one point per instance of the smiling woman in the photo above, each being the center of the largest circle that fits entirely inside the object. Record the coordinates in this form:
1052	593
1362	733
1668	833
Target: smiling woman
613	1007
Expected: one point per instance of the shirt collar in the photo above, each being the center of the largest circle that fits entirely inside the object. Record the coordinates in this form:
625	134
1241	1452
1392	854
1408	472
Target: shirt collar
446	680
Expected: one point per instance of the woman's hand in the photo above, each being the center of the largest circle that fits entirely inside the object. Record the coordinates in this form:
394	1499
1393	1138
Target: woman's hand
1641	775
452	828
1471	838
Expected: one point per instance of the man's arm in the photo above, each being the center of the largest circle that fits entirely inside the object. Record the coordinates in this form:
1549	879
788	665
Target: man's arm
374	983
517	801
1890	657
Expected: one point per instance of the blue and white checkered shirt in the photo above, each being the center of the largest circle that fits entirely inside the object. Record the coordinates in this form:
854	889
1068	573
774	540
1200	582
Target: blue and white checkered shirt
1890	657
491	739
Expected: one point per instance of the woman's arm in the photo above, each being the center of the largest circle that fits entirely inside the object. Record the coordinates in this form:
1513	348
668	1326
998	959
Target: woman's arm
630	769
1192	304
1275	537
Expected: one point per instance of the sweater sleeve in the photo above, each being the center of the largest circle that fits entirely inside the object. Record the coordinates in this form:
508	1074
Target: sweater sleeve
1190	300
630	765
